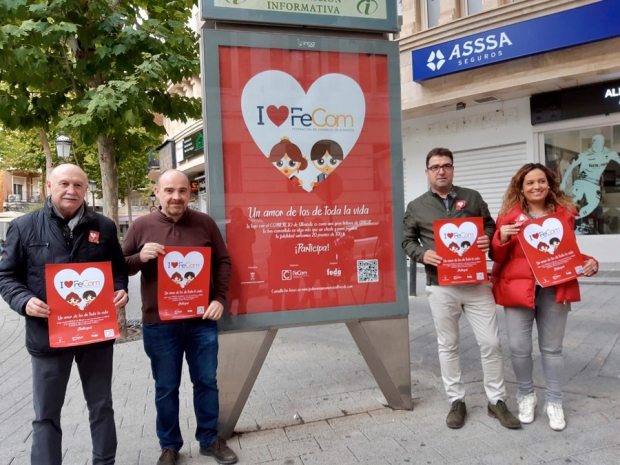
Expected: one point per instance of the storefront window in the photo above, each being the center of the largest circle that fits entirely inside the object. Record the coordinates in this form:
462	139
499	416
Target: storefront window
588	165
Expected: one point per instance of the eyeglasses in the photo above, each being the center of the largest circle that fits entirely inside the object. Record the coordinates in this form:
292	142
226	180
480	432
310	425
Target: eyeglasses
435	168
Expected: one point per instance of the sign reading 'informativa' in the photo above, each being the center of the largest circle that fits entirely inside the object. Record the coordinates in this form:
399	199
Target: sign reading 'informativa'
350	14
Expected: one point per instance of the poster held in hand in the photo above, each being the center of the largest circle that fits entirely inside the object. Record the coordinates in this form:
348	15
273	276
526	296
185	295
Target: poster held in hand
550	247
455	242
184	276
81	301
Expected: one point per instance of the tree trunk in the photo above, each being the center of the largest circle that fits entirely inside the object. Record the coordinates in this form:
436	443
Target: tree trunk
109	190
49	162
109	178
129	218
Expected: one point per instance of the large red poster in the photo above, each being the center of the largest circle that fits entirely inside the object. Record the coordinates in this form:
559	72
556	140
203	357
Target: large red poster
81	301
308	189
551	249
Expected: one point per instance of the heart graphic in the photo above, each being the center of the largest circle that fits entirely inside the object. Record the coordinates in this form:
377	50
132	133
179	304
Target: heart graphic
93	235
545	237
183	269
316	129
459	239
79	289
277	115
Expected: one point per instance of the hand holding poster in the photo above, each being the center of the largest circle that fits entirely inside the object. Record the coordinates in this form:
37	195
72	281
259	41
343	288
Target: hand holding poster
184	275
81	301
455	241
551	249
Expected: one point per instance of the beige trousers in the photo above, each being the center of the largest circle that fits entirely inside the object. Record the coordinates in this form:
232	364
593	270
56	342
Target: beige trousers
476	301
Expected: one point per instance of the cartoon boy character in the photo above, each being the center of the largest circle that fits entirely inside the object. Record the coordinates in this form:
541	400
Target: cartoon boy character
88	297
543	247
73	299
326	155
287	157
554	243
454	247
177	278
189	277
465	245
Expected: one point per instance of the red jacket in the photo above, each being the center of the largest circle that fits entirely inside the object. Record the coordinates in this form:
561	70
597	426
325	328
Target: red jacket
513	281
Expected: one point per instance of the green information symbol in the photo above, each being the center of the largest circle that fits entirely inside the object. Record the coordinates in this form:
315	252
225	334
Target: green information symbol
367	7
235	2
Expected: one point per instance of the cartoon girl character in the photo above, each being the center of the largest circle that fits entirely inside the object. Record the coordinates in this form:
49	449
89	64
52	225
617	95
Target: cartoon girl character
326	155
177	278
543	247
454	247
554	243
88	297
287	157
189	277
73	299
465	245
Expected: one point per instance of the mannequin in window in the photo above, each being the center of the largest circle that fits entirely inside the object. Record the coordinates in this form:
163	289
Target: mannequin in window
591	165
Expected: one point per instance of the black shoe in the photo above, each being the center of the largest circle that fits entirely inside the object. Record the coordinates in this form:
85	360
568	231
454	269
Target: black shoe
457	414
220	452
168	457
501	412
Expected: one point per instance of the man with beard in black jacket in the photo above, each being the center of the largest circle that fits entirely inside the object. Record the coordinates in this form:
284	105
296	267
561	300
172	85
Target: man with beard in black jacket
63	231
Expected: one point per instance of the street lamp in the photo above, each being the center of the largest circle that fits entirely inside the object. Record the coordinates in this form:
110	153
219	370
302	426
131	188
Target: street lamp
63	146
152	198
92	185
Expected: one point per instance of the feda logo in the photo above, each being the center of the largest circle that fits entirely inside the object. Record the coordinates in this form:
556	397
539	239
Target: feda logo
367	7
471	51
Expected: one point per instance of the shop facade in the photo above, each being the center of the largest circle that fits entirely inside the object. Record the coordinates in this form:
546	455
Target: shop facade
529	81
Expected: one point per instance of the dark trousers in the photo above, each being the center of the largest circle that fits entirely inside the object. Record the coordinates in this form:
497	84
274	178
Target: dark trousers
50	376
165	344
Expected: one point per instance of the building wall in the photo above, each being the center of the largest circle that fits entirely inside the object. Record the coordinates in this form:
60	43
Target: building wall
430	117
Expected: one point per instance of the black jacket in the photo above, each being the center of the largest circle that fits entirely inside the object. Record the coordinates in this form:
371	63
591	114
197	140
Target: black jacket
40	238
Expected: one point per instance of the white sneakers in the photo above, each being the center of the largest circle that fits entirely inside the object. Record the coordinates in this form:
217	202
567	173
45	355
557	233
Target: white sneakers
527	406
555	412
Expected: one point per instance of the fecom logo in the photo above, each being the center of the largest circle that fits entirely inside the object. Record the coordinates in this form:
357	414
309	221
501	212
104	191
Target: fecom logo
471	51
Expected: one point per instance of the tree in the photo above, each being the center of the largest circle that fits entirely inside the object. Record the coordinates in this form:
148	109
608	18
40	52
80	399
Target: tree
21	151
96	69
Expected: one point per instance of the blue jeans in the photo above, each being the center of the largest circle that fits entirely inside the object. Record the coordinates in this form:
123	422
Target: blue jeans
551	322
165	345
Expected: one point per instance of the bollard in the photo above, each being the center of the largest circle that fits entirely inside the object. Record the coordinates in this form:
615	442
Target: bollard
413	271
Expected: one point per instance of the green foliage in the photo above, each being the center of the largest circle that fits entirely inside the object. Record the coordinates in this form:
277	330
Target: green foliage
21	151
95	67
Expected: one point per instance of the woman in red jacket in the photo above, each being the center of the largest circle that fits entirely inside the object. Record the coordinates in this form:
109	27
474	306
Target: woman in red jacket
534	192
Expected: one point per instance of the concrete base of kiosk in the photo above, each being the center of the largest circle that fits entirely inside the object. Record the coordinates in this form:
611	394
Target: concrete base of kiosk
384	345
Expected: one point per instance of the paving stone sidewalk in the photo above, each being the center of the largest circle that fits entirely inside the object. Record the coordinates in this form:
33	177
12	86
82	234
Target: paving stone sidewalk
315	402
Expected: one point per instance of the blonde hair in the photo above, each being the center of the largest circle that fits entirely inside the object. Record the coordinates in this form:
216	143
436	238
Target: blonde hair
514	195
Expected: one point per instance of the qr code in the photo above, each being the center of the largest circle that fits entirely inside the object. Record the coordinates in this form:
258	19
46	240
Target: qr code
108	332
579	269
200	310
367	271
479	276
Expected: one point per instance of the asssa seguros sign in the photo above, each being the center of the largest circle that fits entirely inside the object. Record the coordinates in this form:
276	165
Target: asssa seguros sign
568	28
